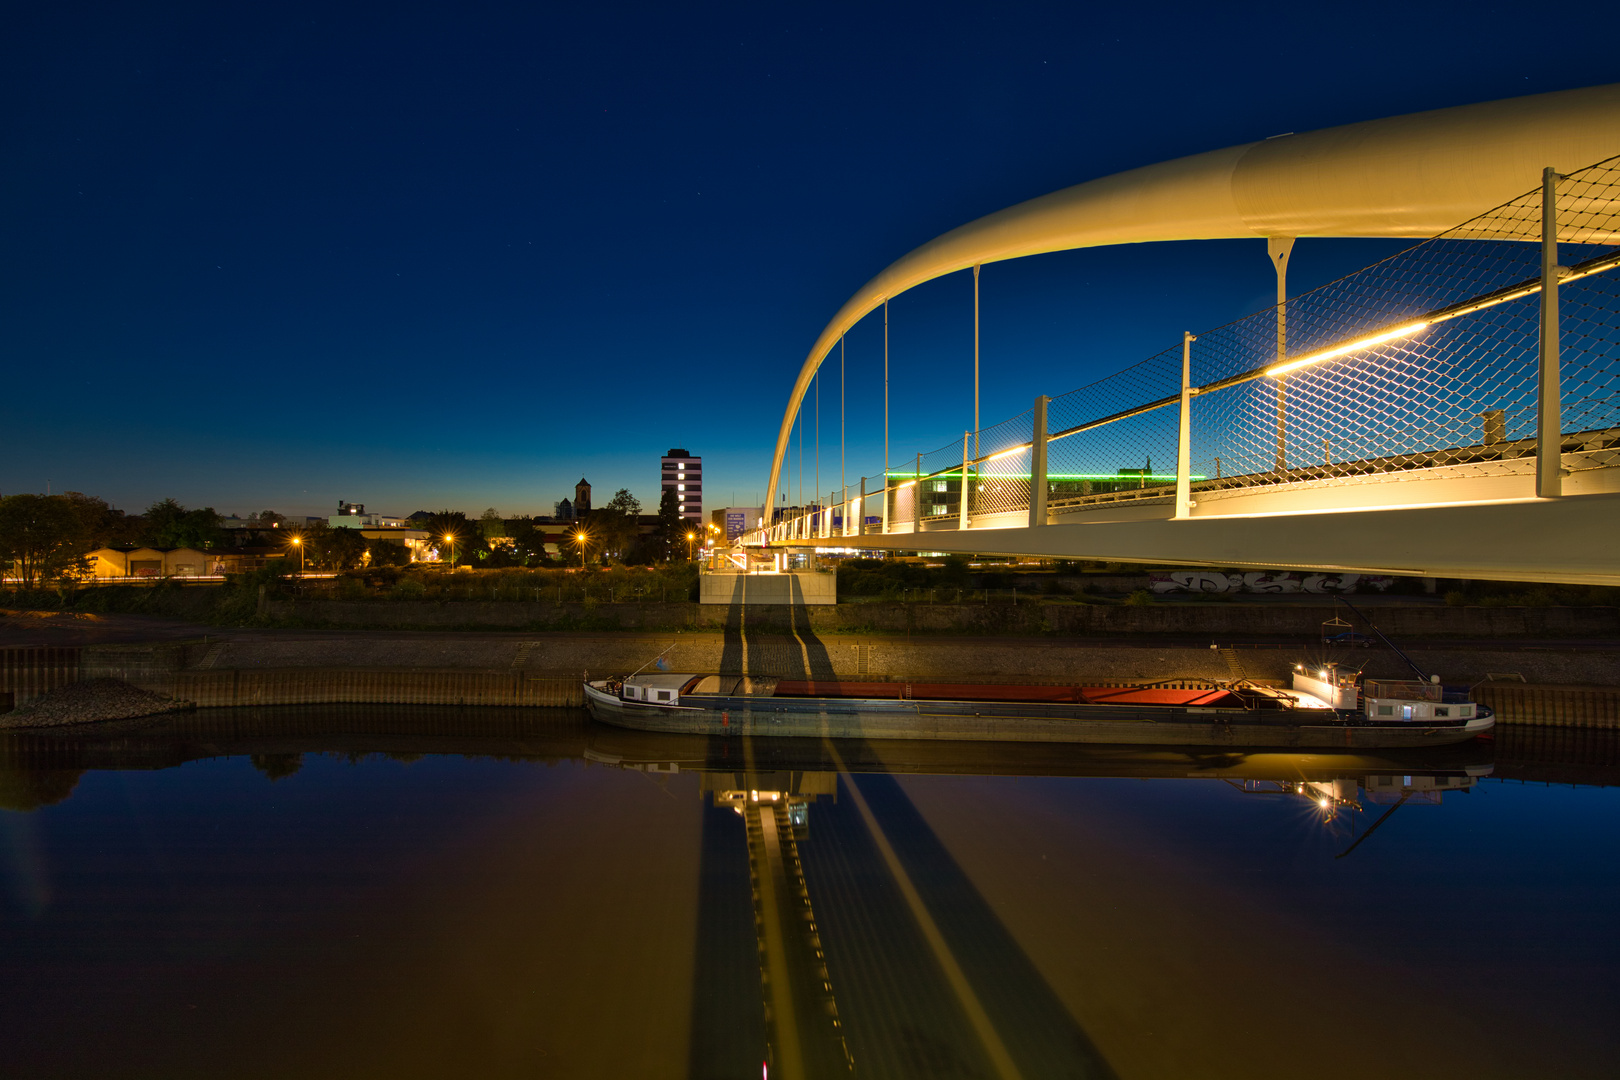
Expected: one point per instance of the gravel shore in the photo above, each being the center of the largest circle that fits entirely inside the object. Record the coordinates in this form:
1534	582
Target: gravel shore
90	701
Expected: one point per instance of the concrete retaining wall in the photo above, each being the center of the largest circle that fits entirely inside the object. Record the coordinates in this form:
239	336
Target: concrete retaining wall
811	587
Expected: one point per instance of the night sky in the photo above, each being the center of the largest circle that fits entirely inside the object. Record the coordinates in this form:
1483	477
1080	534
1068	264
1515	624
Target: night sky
423	256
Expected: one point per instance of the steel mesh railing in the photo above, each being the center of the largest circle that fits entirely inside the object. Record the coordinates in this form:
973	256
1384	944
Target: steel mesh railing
1425	360
1126	457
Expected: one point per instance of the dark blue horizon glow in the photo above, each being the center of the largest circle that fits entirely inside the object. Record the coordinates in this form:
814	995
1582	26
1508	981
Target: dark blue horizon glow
424	258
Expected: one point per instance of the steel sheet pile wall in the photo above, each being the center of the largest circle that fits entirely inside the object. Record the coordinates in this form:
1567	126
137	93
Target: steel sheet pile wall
1552	706
381	686
30	672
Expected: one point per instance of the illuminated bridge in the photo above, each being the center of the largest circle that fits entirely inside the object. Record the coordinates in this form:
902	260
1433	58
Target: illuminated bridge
1453	410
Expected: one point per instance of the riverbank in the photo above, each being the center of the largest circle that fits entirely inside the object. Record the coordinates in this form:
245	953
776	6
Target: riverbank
91	701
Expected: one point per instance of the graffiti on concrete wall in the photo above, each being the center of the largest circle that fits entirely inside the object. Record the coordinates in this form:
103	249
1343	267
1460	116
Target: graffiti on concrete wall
1263	581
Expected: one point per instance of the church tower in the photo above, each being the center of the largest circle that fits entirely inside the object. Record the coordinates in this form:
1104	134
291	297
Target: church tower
582	497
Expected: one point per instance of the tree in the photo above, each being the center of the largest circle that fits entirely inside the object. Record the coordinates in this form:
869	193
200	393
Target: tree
491	525
104	526
42	537
338	549
613	526
170	525
468	542
624	503
671	526
528	543
387	553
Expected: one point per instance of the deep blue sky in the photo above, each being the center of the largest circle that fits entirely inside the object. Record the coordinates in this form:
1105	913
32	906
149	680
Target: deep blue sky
417	256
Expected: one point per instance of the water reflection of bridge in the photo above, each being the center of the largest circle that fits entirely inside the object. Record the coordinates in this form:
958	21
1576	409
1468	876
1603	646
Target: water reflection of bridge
875	952
833	908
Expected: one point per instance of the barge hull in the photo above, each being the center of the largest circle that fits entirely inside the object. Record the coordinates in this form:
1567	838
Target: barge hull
970	722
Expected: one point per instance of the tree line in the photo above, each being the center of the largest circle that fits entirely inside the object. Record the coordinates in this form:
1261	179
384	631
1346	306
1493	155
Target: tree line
610	533
46	538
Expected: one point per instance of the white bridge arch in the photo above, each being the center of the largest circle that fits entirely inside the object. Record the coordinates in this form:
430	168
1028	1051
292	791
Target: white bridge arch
1410	176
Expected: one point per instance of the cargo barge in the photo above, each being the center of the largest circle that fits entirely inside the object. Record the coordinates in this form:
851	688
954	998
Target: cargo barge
1326	712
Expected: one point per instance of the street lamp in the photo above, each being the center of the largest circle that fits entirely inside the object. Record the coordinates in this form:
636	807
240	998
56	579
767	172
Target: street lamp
298	542
450	538
689	538
581	537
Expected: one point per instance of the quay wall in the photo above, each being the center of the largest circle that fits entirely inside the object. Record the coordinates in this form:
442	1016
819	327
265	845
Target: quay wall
1000	617
1545	688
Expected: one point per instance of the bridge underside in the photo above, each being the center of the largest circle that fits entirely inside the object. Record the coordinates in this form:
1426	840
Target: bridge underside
1480	527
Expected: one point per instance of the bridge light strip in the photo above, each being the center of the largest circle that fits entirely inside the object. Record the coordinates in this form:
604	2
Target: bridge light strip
1112	478
1528	287
1354	346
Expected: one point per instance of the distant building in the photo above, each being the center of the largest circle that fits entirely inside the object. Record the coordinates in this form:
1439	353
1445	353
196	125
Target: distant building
354	516
582	498
683	474
145	562
253	522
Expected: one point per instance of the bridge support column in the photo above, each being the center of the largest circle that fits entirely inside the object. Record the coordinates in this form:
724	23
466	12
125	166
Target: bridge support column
1037	465
885	525
1280	248
962	500
1184	434
860	513
916	497
1549	403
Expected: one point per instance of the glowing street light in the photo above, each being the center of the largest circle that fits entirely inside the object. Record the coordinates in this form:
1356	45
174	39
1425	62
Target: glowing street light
450	538
298	542
581	537
689	538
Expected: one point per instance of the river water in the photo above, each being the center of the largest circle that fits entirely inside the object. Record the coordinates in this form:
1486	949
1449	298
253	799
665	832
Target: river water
371	892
